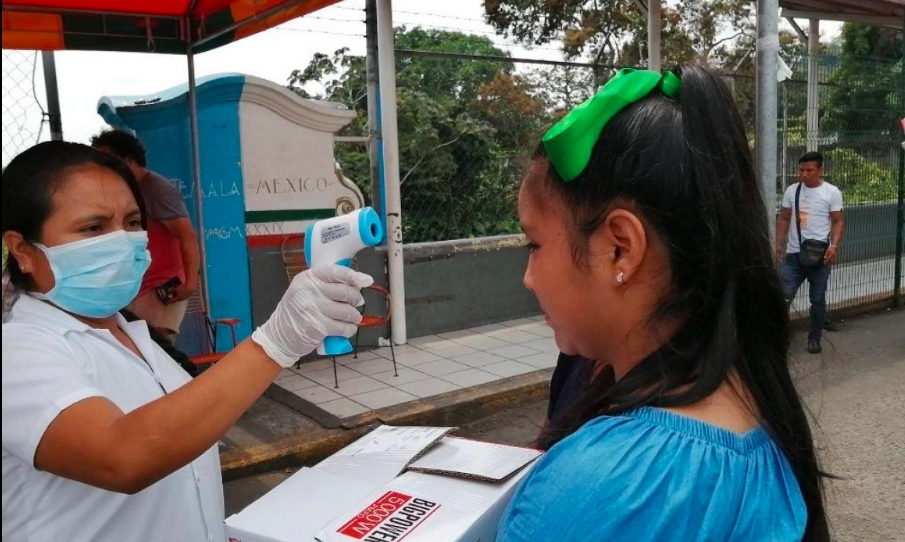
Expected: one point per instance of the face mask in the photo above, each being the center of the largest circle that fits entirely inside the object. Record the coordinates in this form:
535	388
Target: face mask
97	277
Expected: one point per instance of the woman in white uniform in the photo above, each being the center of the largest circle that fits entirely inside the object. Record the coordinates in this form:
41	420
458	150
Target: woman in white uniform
105	437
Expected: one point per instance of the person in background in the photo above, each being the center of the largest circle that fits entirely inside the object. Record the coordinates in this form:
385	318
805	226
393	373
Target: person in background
162	340
570	378
650	253
175	254
818	217
105	438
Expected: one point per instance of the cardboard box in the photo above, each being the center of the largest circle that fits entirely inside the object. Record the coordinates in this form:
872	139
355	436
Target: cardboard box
296	510
361	493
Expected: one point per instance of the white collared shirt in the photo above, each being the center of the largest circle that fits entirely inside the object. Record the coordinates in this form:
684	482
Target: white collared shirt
51	361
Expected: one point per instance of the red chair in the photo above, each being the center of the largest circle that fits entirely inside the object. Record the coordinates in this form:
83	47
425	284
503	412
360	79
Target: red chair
371	320
293	254
205	329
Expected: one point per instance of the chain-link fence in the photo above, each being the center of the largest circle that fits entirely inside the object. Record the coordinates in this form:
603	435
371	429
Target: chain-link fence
23	114
463	148
23	95
465	134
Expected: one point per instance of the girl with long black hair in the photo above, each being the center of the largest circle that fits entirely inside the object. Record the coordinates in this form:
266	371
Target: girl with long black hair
650	252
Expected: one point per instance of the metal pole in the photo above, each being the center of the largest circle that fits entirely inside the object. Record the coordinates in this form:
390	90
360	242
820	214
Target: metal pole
765	126
395	261
900	224
785	134
53	95
374	135
900	208
654	21
813	81
196	174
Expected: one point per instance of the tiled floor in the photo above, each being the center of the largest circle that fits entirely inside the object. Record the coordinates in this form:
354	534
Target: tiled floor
428	366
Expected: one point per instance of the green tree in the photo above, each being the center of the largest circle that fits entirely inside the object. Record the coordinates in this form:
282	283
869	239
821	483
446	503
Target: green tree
453	135
866	81
862	111
615	31
514	107
563	87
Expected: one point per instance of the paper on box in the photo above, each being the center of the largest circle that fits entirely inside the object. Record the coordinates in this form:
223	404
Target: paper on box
297	509
383	454
474	459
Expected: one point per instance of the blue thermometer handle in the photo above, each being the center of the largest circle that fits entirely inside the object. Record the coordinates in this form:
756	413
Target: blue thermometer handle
371	233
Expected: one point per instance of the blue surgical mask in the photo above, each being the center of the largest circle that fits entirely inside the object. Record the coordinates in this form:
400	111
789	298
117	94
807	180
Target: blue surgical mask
97	277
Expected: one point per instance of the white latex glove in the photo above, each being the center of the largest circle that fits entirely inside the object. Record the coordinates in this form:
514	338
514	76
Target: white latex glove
320	302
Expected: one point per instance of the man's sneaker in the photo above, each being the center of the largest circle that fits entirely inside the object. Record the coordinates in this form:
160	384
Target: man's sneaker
830	326
814	346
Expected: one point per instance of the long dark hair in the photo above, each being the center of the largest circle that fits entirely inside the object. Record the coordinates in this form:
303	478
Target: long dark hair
30	181
685	166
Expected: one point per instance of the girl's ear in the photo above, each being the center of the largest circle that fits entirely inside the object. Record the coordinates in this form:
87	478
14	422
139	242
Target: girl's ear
623	239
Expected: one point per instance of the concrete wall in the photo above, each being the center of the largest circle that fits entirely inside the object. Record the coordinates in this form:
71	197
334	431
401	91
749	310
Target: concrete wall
870	232
459	284
449	285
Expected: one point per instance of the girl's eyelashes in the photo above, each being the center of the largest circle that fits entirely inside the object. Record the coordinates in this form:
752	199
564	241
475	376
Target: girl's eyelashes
531	246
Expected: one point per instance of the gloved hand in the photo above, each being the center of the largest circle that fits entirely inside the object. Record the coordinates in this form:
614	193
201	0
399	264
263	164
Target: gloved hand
319	303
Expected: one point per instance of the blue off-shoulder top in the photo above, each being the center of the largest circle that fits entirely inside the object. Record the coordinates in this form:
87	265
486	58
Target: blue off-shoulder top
653	475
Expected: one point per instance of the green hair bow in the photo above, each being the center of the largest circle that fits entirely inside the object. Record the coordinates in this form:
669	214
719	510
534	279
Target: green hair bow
570	141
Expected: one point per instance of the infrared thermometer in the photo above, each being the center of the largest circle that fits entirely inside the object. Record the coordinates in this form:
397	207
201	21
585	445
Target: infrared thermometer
336	241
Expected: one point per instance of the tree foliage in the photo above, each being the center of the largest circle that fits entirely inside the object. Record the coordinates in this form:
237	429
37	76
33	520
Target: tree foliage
862	111
461	125
467	124
614	32
866	82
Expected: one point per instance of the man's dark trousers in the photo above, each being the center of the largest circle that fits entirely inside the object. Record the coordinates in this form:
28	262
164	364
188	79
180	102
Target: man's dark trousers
793	274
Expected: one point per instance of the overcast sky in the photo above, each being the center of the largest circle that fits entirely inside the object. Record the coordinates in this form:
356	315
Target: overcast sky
84	77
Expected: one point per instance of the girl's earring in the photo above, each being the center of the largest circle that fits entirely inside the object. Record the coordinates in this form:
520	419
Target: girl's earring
620	278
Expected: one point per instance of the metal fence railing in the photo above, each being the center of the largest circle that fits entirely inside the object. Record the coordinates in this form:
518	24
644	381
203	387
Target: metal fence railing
23	115
860	137
462	149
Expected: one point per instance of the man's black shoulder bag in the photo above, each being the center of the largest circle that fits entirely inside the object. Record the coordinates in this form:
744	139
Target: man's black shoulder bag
811	251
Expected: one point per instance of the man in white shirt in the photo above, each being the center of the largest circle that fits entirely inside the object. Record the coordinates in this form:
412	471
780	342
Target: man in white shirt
818	217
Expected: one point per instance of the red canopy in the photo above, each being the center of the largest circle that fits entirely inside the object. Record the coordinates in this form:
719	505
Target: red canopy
159	26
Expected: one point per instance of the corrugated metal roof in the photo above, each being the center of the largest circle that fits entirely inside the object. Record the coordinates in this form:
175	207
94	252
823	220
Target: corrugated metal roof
876	12
160	26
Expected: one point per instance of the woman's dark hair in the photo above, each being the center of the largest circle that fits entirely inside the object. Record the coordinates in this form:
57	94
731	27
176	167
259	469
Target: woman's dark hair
684	165
30	181
121	144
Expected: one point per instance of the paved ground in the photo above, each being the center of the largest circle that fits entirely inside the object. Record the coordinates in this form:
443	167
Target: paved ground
856	391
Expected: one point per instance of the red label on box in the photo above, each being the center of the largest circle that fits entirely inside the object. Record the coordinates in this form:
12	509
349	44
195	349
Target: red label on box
391	517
